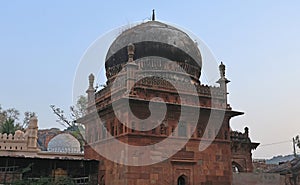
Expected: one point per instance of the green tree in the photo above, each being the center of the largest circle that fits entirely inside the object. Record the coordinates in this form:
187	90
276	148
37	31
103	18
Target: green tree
9	120
41	181
76	111
11	113
8	126
2	115
64	181
79	109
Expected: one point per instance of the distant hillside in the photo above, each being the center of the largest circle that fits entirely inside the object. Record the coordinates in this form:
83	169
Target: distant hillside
280	158
45	135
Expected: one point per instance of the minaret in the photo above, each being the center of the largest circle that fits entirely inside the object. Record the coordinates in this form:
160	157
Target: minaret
223	83
91	90
131	68
32	133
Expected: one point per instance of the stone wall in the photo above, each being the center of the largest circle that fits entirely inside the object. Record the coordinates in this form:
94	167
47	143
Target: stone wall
20	141
241	148
199	168
257	179
13	142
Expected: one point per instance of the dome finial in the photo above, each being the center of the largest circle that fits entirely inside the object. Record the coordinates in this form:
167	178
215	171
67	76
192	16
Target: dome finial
130	51
91	81
222	70
153	15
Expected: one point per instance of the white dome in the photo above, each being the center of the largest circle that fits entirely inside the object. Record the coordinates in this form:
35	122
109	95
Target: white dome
64	143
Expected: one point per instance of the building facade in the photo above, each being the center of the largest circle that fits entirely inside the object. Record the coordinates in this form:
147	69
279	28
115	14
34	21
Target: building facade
21	159
159	65
241	149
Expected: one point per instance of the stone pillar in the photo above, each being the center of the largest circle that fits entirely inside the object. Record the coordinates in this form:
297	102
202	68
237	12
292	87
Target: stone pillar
90	92
223	81
131	68
32	133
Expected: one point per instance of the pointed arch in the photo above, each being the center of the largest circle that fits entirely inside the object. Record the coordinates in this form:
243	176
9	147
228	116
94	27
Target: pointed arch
236	167
182	180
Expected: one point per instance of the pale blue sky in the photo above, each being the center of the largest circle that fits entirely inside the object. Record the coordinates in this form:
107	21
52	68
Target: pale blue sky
41	44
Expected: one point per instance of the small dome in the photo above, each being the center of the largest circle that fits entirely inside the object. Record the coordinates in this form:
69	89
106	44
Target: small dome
154	38
64	143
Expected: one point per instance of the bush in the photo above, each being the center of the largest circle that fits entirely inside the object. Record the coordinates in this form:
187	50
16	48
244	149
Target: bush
46	181
64	181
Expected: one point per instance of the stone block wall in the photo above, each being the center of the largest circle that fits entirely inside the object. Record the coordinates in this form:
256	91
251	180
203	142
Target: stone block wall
13	142
257	179
211	166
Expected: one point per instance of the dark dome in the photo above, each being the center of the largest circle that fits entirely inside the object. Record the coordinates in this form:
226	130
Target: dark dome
154	38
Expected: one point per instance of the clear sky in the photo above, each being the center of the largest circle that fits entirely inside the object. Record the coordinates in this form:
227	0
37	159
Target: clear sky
41	44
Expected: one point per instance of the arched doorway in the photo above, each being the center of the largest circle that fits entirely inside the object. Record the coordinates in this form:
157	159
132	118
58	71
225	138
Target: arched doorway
236	168
181	180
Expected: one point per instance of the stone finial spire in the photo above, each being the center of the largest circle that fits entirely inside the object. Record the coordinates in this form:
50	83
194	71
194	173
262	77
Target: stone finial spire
91	90
153	15
91	80
223	83
130	51
223	79
222	70
246	129
131	68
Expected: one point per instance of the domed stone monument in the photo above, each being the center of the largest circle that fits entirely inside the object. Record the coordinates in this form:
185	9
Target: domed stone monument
158	64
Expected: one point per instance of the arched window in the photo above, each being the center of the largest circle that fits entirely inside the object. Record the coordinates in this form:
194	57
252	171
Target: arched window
163	129
112	131
173	131
153	131
125	128
199	131
181	129
181	180
132	126
120	128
